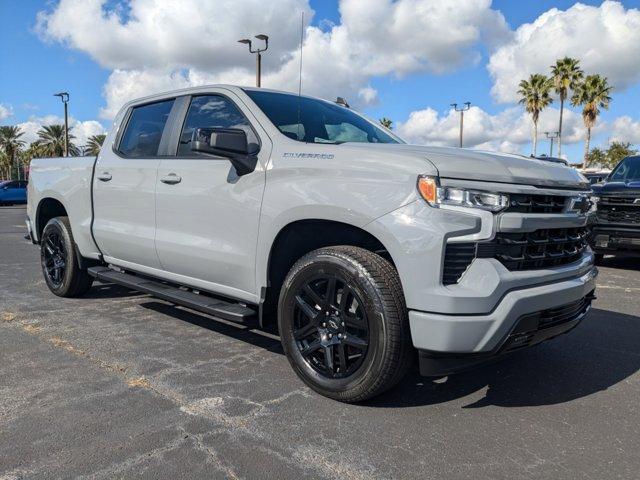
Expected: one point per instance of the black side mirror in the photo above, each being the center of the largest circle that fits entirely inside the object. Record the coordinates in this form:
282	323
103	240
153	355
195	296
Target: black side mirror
225	142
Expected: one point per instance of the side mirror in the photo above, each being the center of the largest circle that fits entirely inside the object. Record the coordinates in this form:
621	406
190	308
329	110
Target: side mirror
225	142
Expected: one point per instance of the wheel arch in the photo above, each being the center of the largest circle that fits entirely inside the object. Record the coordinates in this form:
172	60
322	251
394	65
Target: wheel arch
299	237
48	208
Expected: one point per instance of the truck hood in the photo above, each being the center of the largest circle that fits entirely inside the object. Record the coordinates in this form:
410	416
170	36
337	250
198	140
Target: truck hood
461	163
631	188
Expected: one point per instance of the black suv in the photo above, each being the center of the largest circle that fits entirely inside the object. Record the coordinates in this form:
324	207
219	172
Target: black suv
617	225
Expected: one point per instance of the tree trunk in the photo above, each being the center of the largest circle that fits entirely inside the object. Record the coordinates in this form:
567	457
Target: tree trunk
586	145
560	128
535	137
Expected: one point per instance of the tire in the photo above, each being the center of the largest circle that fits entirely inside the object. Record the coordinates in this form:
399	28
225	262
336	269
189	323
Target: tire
368	298
60	268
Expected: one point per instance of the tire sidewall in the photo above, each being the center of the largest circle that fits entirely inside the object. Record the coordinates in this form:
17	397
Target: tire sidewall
57	225
354	274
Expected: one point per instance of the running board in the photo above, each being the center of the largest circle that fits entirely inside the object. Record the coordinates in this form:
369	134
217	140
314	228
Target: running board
233	312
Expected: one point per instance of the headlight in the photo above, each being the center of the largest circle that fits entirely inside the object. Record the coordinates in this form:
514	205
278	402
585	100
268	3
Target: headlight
436	195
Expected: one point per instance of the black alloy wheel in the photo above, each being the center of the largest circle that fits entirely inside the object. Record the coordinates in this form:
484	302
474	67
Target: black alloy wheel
60	262
54	258
331	326
344	324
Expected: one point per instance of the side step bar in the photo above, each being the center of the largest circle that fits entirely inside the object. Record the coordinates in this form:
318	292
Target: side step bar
233	312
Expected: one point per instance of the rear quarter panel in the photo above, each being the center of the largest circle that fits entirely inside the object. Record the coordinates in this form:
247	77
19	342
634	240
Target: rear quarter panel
67	180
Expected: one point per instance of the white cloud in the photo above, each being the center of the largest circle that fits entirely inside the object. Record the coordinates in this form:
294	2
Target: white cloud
5	111
606	39
154	45
82	130
625	129
510	130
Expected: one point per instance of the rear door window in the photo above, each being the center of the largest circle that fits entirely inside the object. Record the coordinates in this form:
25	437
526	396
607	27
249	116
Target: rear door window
142	135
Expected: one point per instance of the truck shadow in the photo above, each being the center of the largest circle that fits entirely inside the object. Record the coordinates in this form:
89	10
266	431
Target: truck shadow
595	356
240	332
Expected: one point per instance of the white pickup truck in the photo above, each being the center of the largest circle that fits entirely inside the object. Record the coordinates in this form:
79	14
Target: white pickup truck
293	213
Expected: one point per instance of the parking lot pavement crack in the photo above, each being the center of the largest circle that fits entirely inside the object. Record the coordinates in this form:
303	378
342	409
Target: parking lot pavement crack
121	469
212	455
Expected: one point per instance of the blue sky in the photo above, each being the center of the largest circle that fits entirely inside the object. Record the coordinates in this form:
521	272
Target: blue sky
38	64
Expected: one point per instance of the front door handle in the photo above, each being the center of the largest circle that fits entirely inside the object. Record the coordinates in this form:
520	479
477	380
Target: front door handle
171	179
104	176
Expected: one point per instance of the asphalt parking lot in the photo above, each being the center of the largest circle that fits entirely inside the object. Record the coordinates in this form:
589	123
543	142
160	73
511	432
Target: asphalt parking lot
121	385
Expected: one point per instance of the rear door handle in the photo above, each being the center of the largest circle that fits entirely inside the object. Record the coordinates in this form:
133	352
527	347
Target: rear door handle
171	179
104	176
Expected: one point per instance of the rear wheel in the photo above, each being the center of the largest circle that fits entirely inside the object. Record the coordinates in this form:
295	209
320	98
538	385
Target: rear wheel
343	323
59	262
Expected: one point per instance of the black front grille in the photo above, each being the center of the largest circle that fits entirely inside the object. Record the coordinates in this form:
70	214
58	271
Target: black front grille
610	212
525	203
619	200
518	251
540	249
457	258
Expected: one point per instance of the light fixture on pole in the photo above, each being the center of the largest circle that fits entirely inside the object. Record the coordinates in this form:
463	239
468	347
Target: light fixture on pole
64	96
465	106
257	51
551	136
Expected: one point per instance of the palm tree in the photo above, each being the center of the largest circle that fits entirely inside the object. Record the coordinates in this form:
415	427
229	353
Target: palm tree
592	95
94	144
566	74
5	166
386	123
35	150
10	143
535	95
51	139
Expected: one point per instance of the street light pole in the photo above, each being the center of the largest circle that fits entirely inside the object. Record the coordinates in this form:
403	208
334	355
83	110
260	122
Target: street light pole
551	136
257	51
465	106
64	96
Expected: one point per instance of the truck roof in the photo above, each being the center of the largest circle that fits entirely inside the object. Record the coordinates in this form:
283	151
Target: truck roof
204	88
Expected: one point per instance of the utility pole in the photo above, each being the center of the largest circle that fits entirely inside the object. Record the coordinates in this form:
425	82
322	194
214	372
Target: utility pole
551	136
257	51
64	96
465	106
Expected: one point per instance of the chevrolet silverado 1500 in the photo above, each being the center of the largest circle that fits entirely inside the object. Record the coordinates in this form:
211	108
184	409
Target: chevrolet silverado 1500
298	214
617	228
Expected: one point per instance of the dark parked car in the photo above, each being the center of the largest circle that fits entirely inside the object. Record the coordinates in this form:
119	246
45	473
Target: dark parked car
13	191
617	225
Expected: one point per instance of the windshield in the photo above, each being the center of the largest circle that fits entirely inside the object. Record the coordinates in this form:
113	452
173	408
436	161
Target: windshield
628	170
316	121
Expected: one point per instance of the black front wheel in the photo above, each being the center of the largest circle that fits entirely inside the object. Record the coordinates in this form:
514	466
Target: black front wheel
59	262
343	323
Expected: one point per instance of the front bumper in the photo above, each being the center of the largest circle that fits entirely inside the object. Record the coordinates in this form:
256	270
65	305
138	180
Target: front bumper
610	239
451	333
529	330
